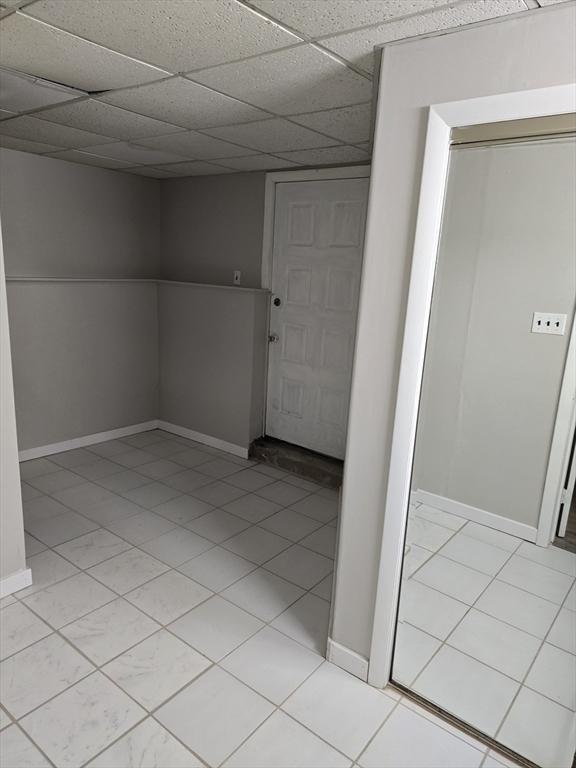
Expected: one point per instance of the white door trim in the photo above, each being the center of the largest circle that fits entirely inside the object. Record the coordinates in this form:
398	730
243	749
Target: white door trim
441	119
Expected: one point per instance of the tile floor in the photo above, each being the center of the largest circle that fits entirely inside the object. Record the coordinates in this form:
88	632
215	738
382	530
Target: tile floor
178	618
488	632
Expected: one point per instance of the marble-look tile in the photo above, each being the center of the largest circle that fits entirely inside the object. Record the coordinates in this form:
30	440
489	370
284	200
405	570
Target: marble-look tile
99	469
290	524
123	481
318	506
218	525
225	713
38	673
77	457
324	588
19	628
28	492
81	721
159	469
149	745
218	493
183	509
252	508
283	493
61	528
93	548
17	751
322	541
217	568
156	668
151	495
301	566
188	481
33	546
263	594
55	481
141	527
177	546
111	510
256	544
109	631
42	508
168	596
249	480
68	600
36	468
128	570
218	468
83	497
307	622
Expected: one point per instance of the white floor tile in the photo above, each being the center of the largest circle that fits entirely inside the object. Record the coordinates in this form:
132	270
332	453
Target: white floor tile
218	493
134	458
414	557
282	493
218	525
16	749
128	570
32	545
426	534
189	457
439	517
28	492
290	524
37	467
339	708
475	554
256	544
151	495
5	721
124	481
159	469
551	557
149	745
183	509
538	579
111	510
541	730
141	527
168	596
19	628
55	481
216	627
177	546
92	548
429	610
38	673
283	743
218	468
272	664
570	602
301	482
263	594
249	480
317	506
82	497
563	632
217	568
465	687
324	588
188	481
83	720
492	536
252	508
499	645
452	579
553	674
156	668
62	528
107	448
273	472
98	469
519	608
307	622
322	541
66	601
77	457
109	631
301	566
407	740
42	508
226	712
412	651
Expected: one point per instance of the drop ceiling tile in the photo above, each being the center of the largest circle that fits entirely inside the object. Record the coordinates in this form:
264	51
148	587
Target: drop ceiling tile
328	156
32	129
195	145
149	170
20	93
86	158
30	46
358	47
133	153
178	36
194	168
256	163
107	120
21	145
302	79
184	103
331	16
350	124
274	136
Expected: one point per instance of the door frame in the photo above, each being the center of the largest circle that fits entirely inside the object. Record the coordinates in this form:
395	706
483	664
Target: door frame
283	177
442	118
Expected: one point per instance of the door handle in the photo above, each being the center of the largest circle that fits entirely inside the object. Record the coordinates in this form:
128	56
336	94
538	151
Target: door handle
273	338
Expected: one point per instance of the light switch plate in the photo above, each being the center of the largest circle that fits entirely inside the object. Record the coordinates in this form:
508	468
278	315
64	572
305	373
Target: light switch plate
549	322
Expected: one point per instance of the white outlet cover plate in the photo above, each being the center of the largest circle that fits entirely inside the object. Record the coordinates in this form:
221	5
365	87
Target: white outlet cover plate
549	322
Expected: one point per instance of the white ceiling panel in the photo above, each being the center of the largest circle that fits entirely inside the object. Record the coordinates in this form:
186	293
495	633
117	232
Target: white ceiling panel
328	156
302	79
107	120
135	154
256	163
195	168
30	46
349	124
149	170
329	17
177	35
358	47
32	129
20	93
273	135
9	142
184	103
85	158
195	145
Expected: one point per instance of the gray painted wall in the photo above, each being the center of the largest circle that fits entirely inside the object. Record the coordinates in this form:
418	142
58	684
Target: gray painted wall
212	225
491	387
212	353
62	219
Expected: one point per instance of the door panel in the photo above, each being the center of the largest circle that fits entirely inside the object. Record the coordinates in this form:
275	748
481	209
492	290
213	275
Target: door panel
317	261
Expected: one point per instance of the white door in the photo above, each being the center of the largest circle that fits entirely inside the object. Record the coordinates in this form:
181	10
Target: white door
317	262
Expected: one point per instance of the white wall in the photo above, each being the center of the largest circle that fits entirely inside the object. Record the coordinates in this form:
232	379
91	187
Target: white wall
529	51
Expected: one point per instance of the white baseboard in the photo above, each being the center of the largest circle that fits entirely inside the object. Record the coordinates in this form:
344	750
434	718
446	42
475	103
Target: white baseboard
489	519
347	659
213	442
15	582
83	442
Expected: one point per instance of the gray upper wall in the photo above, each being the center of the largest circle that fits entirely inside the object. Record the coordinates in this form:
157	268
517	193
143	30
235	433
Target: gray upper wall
62	219
211	226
